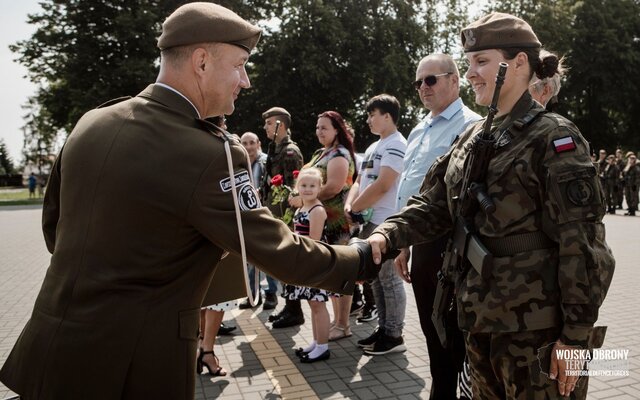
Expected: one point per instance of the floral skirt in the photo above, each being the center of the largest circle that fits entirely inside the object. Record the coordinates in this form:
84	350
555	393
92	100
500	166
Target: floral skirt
291	292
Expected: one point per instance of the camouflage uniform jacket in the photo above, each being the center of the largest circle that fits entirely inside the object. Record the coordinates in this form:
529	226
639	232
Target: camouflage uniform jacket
632	176
535	187
611	174
282	159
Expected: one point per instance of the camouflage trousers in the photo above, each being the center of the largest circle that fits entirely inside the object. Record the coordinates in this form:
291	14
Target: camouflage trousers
507	366
611	195
631	196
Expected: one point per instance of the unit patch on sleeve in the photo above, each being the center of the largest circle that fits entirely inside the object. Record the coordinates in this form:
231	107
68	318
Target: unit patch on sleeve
241	178
248	198
564	144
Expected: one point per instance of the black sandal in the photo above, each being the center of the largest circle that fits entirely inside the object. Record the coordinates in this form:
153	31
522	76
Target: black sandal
200	363
300	352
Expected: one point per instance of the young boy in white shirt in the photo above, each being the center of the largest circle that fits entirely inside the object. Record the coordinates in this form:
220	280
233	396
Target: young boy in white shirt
371	200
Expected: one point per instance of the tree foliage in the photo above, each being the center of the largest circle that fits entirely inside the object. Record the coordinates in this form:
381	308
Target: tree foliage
314	55
334	55
600	40
6	163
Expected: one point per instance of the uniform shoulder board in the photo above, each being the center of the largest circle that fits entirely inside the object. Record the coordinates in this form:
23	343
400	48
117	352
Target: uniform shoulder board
114	101
528	118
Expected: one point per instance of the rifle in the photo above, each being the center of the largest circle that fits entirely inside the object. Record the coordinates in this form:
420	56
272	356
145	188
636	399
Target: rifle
464	248
265	185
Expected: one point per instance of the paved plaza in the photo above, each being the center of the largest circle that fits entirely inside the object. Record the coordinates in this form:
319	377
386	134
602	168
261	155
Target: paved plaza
261	362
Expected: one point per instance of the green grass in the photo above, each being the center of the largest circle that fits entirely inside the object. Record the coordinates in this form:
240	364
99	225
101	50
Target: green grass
17	197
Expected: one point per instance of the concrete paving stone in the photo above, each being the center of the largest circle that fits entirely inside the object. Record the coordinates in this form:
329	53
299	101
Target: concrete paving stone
597	384
381	391
631	391
337	384
408	397
335	396
322	388
624	397
606	394
400	375
364	393
362	383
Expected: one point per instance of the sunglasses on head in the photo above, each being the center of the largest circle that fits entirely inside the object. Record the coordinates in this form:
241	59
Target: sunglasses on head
429	80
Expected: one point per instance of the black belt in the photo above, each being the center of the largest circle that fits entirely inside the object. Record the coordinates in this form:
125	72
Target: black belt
518	243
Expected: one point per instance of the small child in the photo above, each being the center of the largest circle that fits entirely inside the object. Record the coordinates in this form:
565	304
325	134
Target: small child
309	220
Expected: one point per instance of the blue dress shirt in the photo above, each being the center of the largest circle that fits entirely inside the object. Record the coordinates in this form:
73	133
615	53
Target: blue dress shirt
431	138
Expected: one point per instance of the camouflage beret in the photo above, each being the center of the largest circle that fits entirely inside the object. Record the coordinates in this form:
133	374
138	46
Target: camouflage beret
205	23
498	31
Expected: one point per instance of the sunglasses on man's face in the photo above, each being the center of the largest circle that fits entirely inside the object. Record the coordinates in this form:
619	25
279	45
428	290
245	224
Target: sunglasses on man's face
429	80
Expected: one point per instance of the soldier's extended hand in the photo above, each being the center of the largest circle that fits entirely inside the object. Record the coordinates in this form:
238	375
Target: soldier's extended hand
378	246
402	265
558	370
368	269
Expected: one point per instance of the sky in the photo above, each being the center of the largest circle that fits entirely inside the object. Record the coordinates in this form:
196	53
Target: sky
15	87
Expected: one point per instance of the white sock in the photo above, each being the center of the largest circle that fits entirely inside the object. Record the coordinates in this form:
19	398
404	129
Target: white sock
310	348
319	350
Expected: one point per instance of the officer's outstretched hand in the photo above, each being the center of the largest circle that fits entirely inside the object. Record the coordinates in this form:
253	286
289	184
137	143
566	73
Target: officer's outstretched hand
368	269
378	246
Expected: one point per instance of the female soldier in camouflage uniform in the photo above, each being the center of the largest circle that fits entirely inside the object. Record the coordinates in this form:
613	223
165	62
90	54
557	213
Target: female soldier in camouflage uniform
549	267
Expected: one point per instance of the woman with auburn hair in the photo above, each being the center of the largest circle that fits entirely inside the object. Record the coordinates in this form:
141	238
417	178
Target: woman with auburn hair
335	159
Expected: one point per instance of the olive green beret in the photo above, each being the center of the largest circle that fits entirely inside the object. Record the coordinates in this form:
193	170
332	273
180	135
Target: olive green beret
273	111
205	23
498	31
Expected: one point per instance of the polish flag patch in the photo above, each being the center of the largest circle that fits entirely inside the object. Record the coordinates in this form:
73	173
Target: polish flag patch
564	144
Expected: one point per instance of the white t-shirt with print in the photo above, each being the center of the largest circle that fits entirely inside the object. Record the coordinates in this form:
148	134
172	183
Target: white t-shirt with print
387	152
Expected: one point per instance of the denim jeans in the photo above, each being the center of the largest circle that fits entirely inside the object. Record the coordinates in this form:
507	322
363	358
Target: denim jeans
389	293
272	283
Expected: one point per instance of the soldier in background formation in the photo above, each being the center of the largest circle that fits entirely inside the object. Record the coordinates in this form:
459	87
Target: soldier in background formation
620	162
549	267
631	179
609	175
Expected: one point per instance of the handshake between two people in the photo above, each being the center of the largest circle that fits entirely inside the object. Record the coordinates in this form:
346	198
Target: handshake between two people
373	252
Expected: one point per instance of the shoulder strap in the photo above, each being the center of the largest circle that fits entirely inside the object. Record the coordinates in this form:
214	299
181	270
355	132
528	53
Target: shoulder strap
311	209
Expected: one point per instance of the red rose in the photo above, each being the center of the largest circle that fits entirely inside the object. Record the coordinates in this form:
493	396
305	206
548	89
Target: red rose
277	180
295	174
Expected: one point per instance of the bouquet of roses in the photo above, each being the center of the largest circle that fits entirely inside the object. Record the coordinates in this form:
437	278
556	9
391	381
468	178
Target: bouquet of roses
280	195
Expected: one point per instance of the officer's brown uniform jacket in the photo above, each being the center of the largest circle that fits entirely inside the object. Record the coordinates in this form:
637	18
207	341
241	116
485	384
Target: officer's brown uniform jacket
138	213
536	187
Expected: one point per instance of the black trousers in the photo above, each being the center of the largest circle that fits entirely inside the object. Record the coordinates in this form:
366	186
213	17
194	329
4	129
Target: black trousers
445	364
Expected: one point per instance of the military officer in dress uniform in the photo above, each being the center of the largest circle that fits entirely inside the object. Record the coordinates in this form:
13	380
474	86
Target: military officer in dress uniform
545	268
140	208
283	157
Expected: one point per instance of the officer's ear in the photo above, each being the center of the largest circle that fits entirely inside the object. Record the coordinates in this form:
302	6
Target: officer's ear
199	60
